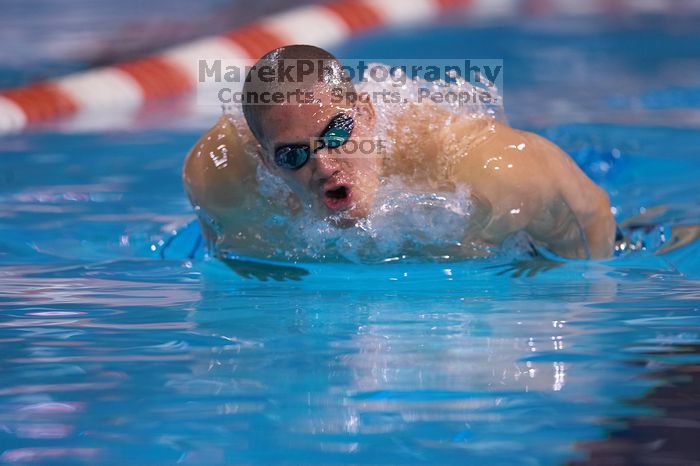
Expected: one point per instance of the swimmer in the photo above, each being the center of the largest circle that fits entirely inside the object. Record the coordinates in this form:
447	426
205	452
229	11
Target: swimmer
518	181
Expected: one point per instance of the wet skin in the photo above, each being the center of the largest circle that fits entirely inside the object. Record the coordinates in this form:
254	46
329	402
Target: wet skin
518	180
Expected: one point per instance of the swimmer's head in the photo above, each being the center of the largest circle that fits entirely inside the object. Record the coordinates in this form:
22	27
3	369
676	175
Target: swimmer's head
316	135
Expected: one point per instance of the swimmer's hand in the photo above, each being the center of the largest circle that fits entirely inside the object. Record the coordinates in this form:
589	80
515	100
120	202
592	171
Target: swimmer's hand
680	236
264	272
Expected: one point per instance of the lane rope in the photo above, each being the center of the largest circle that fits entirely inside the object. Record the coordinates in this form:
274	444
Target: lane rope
171	73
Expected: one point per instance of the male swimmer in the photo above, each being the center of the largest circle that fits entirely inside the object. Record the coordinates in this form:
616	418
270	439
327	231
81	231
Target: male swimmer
518	181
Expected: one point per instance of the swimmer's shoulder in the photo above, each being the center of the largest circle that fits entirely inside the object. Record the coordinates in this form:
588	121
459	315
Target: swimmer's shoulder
221	167
414	134
494	146
494	161
418	124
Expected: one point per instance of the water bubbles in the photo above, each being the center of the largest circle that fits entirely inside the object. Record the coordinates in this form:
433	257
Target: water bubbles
401	223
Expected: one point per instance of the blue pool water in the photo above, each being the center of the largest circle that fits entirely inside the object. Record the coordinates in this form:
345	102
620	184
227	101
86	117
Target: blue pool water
111	355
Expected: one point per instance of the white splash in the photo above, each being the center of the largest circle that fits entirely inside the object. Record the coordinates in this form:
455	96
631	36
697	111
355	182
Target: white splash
401	224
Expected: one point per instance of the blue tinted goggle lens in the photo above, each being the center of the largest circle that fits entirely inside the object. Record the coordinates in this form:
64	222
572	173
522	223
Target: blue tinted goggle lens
335	135
338	131
292	157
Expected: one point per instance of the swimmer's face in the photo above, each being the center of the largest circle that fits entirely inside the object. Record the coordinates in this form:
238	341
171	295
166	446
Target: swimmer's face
327	153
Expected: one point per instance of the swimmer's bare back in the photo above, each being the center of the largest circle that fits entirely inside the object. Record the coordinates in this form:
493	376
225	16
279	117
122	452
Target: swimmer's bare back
518	181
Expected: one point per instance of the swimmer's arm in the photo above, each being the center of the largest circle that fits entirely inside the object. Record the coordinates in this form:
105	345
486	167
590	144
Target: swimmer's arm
219	172
220	177
582	225
522	182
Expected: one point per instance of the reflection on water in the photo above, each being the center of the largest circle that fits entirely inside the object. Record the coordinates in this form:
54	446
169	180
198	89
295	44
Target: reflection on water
187	362
668	435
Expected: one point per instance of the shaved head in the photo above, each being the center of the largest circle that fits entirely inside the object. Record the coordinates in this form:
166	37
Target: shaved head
294	73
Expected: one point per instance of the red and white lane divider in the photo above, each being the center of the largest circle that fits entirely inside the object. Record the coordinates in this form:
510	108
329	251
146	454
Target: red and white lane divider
172	72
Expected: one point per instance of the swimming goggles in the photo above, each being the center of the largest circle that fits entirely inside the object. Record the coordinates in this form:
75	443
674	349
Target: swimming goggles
337	133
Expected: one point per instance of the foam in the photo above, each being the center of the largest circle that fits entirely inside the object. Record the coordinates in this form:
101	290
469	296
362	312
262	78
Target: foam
401	224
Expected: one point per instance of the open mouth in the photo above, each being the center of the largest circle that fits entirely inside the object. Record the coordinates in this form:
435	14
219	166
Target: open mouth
337	198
